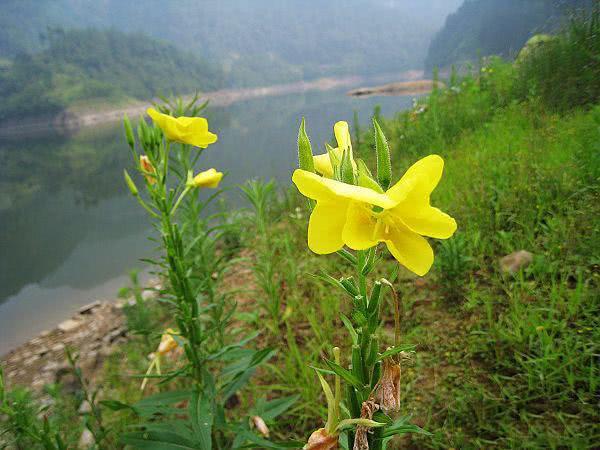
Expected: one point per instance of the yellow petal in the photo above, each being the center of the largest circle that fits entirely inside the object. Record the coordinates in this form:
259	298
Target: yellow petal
319	188
325	226
342	135
409	248
428	221
359	230
419	180
186	130
209	178
413	192
323	165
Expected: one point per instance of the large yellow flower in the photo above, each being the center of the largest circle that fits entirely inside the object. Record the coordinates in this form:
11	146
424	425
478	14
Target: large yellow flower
360	217
323	163
186	130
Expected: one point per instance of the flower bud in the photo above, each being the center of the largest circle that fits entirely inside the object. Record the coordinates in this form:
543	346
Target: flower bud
130	184
305	156
208	179
384	165
321	439
148	169
128	132
260	425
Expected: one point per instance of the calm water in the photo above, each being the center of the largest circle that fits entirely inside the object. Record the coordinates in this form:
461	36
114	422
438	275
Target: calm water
69	230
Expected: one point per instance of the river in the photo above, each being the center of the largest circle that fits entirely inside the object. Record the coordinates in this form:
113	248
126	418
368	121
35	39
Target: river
70	232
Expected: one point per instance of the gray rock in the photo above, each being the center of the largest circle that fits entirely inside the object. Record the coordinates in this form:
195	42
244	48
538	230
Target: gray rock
87	309
69	325
86	440
515	261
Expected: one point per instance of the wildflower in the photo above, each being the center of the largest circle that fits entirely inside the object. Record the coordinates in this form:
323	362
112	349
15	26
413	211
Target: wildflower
260	425
323	163
387	392
361	217
185	130
208	179
148	169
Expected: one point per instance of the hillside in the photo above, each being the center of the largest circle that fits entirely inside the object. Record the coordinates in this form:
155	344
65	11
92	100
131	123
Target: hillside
495	27
80	65
254	42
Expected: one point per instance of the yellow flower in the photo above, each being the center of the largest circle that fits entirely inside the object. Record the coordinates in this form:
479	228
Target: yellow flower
209	179
186	130
148	168
360	217
323	163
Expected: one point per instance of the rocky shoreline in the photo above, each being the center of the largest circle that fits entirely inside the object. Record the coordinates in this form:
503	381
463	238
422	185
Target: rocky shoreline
93	332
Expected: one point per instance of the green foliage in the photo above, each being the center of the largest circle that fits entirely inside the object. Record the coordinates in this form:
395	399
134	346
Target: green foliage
565	71
494	27
84	65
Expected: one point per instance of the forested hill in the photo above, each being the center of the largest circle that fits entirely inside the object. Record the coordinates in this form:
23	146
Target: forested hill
258	41
90	64
495	27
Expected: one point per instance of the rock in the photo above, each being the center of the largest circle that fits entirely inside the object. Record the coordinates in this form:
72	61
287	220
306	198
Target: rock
87	309
84	408
54	366
148	294
58	347
516	261
86	440
69	325
31	360
114	335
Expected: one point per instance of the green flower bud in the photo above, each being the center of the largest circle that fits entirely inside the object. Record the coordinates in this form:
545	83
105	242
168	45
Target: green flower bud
128	132
305	155
365	179
384	164
130	184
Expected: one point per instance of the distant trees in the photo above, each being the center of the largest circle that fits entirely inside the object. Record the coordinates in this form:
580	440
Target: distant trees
107	64
495	27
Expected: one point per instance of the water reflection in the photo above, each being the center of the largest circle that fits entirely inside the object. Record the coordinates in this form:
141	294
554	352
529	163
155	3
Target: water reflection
69	228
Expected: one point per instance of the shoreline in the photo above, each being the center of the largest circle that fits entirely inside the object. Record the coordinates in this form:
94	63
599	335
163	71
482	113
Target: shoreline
70	120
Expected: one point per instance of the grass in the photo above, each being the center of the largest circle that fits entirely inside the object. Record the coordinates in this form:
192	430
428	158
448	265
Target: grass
503	360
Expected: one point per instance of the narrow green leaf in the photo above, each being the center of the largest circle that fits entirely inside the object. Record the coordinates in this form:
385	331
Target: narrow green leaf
384	164
330	401
348	376
271	409
350	327
396	350
201	416
155	440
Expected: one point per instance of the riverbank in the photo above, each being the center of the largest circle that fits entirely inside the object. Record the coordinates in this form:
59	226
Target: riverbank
85	116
